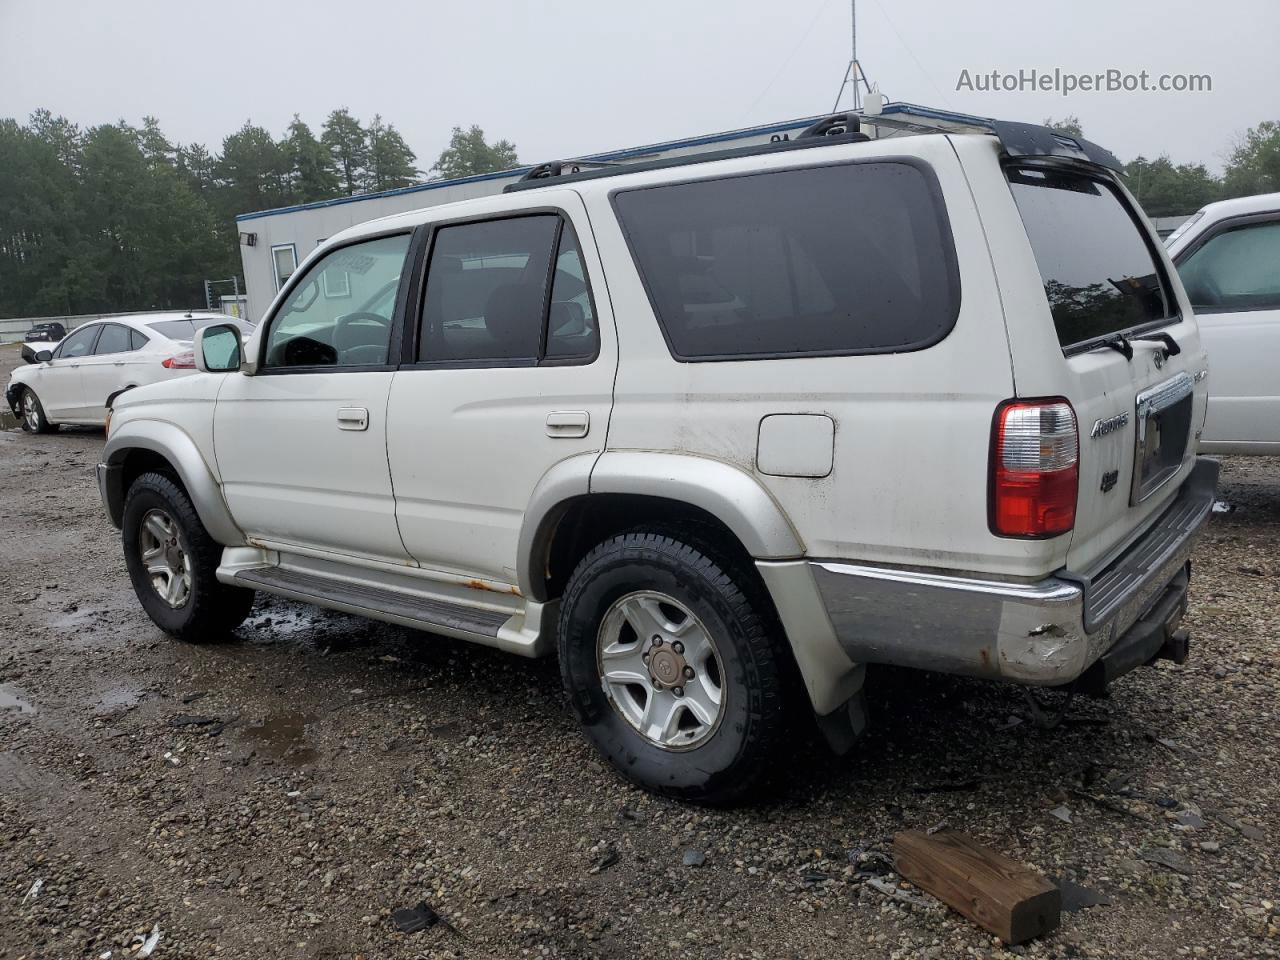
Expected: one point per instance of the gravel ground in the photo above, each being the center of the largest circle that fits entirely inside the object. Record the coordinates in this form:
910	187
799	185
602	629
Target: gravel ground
332	770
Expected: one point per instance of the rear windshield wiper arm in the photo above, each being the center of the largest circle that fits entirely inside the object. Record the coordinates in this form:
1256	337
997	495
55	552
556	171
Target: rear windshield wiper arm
1118	343
1171	348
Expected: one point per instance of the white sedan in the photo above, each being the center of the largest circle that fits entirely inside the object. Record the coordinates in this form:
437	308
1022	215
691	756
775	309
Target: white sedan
74	382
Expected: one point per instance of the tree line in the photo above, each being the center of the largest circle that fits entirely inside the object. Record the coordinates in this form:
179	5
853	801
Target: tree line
1168	189
118	217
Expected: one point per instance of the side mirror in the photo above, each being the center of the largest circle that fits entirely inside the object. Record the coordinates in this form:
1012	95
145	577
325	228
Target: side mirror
217	348
44	356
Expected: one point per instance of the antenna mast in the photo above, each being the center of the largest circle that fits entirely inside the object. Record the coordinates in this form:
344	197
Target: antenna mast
853	72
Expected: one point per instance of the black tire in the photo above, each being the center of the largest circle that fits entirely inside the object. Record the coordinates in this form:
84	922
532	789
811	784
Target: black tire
738	756
209	610
34	419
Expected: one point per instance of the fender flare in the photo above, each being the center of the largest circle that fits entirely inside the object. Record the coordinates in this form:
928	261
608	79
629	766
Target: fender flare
181	452
723	490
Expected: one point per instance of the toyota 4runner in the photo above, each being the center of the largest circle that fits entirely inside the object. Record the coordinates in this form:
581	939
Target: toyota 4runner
718	431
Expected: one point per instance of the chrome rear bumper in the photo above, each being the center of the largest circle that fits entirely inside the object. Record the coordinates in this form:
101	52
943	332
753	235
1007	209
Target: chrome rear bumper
1046	633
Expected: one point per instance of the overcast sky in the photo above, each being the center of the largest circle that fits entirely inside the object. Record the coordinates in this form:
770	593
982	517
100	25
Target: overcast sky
578	76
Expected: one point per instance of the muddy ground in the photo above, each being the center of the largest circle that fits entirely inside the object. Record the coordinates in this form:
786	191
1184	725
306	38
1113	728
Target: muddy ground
279	795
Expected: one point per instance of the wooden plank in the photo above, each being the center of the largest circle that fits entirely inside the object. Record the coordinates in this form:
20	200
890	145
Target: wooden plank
997	893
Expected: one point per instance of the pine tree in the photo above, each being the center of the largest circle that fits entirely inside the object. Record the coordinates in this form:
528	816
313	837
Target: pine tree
390	162
468	155
348	148
310	177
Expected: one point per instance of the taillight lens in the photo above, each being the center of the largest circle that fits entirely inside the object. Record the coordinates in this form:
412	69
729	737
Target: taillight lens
179	361
1035	473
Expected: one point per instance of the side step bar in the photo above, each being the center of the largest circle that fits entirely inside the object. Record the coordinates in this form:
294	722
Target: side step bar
393	606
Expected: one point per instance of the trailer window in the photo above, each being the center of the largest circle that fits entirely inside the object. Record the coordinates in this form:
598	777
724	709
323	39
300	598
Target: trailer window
854	258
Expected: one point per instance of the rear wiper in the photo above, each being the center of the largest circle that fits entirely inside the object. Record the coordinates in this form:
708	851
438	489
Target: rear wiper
1171	348
1118	343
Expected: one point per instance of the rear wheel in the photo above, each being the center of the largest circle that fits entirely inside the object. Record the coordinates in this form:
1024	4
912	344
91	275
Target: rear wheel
670	664
33	416
173	563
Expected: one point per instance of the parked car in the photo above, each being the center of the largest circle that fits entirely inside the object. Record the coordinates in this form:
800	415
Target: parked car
76	381
50	332
706	426
1229	256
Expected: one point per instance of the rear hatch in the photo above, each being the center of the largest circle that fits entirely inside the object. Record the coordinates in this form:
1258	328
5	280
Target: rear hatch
1125	350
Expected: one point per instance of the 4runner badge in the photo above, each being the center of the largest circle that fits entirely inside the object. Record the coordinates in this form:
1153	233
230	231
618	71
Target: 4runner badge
1109	425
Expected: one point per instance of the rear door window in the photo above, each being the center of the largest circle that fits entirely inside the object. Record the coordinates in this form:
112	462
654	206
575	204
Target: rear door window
114	339
1099	271
854	258
510	292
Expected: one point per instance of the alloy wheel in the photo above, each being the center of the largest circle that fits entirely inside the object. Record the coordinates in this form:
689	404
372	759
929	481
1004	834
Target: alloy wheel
165	558
660	669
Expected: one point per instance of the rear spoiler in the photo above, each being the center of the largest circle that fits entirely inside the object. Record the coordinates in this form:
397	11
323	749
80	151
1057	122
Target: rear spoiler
1032	140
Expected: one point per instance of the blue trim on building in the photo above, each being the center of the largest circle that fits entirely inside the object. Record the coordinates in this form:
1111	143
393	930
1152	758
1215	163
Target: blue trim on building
521	171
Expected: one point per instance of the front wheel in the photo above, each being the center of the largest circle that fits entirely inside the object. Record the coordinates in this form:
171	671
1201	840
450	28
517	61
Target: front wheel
669	660
173	563
33	415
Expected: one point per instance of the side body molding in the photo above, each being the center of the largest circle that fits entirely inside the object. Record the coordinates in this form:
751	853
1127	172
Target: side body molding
180	450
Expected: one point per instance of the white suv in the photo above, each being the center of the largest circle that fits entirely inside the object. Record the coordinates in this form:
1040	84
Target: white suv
704	426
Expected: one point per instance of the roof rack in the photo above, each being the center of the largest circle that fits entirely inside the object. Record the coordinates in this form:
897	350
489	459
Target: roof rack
1018	140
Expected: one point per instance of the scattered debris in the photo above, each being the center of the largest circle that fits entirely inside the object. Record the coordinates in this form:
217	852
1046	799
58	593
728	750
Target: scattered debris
1221	506
996	892
1247	830
1210	846
1063	813
413	919
189	720
193	697
694	858
171	759
605	862
148	943
1188	818
34	891
1111	805
954	786
1076	897
890	889
1168	858
940	825
626	813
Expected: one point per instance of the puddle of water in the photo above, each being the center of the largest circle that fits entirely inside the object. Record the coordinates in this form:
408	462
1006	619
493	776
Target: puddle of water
11	700
117	698
280	736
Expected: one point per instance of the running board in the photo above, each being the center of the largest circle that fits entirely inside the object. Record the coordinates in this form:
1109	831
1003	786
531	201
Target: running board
504	630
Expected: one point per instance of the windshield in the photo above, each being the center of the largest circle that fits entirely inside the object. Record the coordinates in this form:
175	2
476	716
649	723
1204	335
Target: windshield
186	329
1099	272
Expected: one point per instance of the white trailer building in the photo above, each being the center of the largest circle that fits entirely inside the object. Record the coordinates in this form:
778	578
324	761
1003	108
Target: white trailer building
274	242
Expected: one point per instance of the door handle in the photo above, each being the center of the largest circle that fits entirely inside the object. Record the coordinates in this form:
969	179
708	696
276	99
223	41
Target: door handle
568	423
117	363
353	418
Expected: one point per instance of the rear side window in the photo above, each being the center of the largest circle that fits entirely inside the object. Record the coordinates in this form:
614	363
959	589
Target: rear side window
847	259
1099	271
1238	269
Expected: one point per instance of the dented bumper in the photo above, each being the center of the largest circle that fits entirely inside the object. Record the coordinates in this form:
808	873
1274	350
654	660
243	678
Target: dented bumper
1044	634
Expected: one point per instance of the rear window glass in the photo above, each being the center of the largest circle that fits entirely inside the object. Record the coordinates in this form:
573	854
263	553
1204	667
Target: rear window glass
855	258
1099	273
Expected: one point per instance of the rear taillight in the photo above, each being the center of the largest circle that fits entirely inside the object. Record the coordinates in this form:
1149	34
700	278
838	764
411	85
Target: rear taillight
179	361
1035	455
